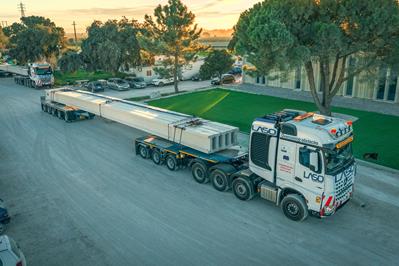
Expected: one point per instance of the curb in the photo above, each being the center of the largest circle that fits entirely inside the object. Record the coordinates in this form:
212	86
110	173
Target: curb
377	166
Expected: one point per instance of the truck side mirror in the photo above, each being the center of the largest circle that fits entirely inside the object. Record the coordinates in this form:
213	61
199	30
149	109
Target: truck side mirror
314	161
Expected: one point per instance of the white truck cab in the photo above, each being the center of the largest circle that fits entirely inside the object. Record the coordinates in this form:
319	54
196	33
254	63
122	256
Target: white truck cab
305	161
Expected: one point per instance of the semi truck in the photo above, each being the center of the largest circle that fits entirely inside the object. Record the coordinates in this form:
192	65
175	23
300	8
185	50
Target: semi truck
300	161
35	75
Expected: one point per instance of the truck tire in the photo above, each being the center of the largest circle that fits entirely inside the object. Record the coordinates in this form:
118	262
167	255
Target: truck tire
156	156
171	162
200	172
160	84
219	180
243	189
294	207
42	107
60	114
143	151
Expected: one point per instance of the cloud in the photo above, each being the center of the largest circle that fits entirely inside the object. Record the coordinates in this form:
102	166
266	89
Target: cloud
120	11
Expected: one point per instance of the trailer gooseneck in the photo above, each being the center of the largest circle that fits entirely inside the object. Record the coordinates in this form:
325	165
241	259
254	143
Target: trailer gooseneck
301	161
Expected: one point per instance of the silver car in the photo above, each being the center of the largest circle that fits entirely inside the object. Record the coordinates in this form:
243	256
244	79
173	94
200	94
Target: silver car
10	253
118	84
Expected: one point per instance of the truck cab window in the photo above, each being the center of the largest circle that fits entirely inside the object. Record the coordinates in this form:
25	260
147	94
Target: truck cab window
260	150
304	158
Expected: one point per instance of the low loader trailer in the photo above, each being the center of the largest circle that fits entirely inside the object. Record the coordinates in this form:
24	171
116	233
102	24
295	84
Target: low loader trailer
303	162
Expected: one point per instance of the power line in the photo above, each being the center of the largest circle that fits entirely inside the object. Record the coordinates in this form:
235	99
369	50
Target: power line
22	9
74	31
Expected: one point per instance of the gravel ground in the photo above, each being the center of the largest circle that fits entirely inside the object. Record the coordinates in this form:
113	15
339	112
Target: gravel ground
78	195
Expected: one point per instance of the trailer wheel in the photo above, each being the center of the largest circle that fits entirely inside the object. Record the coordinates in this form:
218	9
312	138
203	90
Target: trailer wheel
243	189
199	172
219	180
143	151
294	207
156	156
171	162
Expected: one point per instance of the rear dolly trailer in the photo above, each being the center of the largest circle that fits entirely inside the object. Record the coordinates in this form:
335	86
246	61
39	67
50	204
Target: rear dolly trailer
64	112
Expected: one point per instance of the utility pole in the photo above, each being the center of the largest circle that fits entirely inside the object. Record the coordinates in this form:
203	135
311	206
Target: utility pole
22	8
74	31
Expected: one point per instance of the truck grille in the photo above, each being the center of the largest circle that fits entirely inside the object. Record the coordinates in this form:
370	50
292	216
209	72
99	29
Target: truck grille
343	184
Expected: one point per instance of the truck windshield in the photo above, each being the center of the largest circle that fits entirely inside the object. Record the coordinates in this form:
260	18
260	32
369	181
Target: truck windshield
338	158
43	71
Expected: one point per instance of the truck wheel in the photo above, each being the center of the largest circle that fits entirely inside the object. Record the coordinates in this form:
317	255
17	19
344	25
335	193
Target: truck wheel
156	156
243	189
55	112
60	114
219	180
199	172
42	107
143	151
294	207
171	162
160	84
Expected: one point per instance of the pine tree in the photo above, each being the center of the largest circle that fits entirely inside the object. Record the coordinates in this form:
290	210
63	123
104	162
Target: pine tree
173	34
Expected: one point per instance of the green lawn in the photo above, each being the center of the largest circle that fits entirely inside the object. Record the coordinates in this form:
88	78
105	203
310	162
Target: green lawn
373	132
70	78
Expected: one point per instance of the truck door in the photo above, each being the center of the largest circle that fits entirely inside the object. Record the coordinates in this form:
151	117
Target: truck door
308	176
286	159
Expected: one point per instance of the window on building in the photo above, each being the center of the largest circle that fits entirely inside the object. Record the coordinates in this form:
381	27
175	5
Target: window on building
260	150
298	75
263	80
257	79
349	83
393	82
149	73
381	83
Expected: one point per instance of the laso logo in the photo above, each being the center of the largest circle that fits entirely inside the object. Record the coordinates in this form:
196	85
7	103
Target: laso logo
314	177
265	130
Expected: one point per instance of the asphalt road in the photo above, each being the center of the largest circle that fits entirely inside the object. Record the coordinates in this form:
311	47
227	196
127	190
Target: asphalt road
78	195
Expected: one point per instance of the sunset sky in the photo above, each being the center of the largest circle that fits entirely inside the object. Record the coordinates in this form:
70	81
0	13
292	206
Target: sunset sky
210	14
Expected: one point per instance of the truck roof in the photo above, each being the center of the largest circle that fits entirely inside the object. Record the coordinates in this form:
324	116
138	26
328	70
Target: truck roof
310	128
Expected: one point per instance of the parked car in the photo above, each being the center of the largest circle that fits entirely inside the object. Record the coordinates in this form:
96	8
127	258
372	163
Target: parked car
4	217
196	77
159	82
235	71
118	84
96	86
225	79
136	82
10	253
